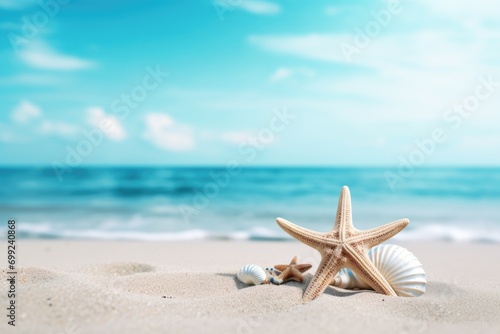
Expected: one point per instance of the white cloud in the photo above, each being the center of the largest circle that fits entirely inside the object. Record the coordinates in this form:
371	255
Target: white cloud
110	125
259	7
416	75
313	46
58	128
25	112
332	10
166	134
39	54
283	73
464	9
434	49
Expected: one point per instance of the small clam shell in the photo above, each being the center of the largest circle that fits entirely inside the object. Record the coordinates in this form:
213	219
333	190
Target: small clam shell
346	279
251	274
402	270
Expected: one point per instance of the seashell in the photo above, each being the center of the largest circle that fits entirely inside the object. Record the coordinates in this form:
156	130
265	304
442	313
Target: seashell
402	270
251	274
346	279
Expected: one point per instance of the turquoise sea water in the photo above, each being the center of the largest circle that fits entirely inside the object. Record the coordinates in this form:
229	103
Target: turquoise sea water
456	204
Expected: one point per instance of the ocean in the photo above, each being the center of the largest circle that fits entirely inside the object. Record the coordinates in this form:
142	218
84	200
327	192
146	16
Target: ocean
168	204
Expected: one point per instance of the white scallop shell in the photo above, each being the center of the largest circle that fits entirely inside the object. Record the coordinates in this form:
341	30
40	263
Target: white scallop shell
402	270
251	274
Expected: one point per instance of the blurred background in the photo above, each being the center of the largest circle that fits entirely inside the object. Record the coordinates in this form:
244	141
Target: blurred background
188	120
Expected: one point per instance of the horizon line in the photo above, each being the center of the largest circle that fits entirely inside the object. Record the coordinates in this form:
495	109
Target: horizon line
48	166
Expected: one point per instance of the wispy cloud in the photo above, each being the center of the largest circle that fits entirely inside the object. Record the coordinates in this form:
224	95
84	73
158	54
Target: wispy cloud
58	128
165	133
465	8
313	46
283	73
25	112
432	51
30	117
39	54
259	7
332	10
111	125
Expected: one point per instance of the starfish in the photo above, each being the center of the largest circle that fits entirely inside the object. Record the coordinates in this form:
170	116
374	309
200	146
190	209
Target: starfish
290	272
344	247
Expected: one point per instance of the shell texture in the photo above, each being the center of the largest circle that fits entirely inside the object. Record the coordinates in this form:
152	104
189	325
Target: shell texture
402	270
346	279
251	274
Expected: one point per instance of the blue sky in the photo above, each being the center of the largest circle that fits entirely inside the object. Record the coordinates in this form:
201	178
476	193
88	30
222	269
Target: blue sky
367	83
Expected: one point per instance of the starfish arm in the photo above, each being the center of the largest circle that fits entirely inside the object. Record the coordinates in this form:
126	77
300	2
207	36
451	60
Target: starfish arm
364	268
309	237
303	267
343	219
281	267
285	274
327	269
294	260
296	275
377	235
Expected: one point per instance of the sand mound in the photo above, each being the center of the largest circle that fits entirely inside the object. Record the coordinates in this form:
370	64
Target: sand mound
136	297
84	301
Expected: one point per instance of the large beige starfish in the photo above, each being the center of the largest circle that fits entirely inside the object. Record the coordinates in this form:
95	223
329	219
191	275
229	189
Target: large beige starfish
344	246
290	272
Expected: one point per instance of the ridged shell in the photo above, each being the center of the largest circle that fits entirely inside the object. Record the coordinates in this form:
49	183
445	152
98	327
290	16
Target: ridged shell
251	274
402	270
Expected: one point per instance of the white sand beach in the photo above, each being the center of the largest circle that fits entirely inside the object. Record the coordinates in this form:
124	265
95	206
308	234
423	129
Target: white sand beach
190	287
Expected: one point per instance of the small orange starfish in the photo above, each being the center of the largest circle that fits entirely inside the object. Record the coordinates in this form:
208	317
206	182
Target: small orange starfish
290	272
